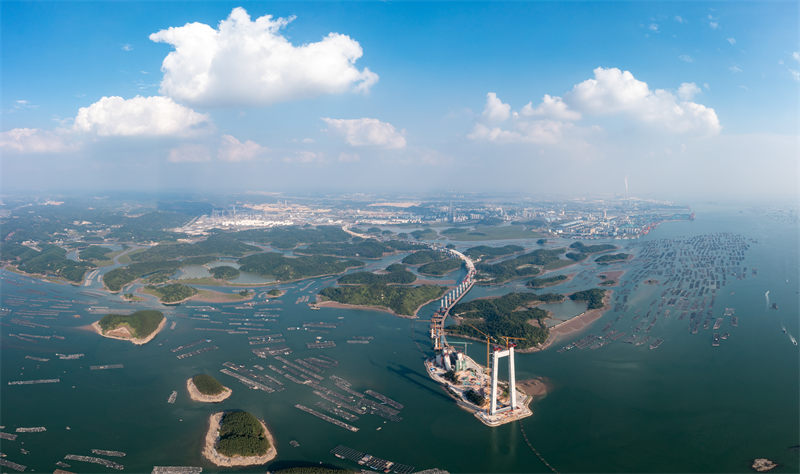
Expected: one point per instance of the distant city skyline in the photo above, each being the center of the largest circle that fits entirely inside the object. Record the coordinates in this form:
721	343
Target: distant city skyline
671	100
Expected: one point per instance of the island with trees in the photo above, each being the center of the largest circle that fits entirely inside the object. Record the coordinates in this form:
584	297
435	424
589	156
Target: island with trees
612	258
139	327
485	252
238	438
172	293
525	265
285	269
400	300
512	315
593	297
224	272
396	274
441	267
205	388
543	282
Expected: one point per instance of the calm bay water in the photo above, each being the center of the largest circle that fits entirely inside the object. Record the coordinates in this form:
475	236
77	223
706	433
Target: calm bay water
685	407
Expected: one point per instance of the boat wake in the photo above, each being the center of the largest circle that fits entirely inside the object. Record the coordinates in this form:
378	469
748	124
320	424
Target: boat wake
791	338
766	296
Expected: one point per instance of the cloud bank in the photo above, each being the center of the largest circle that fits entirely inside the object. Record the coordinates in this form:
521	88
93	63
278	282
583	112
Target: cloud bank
246	63
611	93
367	132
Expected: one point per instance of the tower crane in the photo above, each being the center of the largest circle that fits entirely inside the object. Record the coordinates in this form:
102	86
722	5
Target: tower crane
488	340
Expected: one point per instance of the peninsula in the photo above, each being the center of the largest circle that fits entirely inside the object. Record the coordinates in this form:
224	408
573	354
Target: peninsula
139	327
238	438
205	388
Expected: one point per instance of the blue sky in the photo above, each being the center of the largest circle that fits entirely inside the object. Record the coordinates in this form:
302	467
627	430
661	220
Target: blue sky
672	94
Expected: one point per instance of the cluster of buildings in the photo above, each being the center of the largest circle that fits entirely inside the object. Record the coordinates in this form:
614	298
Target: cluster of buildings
624	218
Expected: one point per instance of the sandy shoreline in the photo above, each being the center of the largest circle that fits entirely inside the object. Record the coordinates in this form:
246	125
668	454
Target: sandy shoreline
197	396
210	452
95	326
578	323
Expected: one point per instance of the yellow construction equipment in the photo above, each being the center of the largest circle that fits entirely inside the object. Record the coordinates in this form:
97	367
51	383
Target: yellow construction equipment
488	340
507	338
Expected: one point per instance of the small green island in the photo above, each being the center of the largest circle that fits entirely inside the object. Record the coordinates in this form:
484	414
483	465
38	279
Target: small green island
546	281
283	269
394	274
485	252
224	272
238	438
172	293
139	327
400	300
513	315
611	258
525	265
593	297
205	388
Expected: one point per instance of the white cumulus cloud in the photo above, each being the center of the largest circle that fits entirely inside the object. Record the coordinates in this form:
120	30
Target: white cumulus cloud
246	62
688	90
552	107
140	116
495	110
34	140
610	93
231	149
613	91
367	132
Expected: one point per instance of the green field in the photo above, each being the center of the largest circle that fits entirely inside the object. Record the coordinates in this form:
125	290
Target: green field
141	323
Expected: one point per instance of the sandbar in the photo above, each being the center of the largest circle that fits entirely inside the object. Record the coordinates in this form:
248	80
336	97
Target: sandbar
210	451
198	396
124	334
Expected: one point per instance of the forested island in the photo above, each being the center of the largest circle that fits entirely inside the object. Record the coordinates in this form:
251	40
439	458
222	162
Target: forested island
47	260
513	315
401	300
205	388
484	251
394	274
580	251
238	438
593	297
610	258
139	327
361	248
171	293
546	281
441	267
224	272
525	265
283	269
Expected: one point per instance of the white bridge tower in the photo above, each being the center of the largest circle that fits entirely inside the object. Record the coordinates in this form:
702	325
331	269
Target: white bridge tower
512	379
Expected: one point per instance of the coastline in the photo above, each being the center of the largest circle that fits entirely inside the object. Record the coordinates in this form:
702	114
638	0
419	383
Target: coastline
576	324
336	304
210	452
197	396
95	326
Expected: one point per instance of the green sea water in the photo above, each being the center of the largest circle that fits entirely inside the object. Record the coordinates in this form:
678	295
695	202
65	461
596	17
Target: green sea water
685	407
